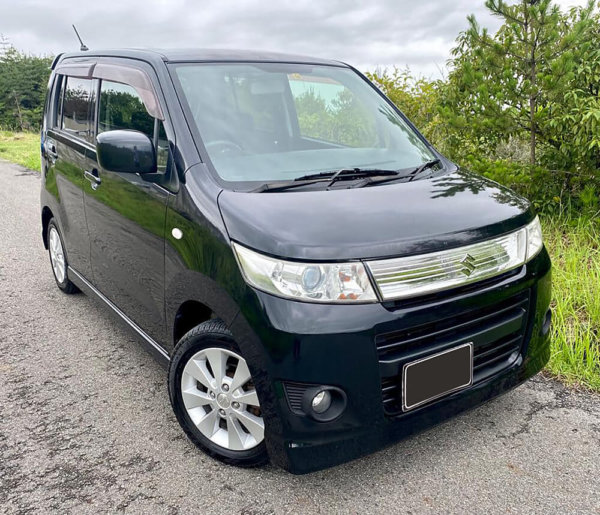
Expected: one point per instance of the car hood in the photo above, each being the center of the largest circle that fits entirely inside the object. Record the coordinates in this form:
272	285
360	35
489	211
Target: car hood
379	221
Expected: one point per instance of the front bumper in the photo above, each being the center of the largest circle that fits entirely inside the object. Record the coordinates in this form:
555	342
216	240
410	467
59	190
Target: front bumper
341	345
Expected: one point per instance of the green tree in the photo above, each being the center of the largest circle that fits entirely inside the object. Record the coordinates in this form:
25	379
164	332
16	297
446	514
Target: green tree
352	124
575	117
314	117
344	120
23	80
418	98
505	83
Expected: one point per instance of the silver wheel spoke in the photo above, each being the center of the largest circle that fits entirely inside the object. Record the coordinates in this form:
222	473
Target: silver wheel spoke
198	370
217	360
236	435
241	376
194	398
254	424
209	423
248	398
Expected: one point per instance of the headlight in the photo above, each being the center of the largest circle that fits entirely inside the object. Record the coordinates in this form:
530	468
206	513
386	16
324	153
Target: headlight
535	241
312	282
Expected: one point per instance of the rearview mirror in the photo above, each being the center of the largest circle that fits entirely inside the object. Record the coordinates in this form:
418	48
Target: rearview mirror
126	152
267	87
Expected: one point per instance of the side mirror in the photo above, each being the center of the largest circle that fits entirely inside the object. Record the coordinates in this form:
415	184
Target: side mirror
126	152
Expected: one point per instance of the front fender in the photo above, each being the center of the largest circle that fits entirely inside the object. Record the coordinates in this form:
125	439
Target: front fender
199	262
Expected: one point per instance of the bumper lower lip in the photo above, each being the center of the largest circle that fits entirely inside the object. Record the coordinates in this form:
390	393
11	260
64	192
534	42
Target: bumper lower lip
309	456
337	345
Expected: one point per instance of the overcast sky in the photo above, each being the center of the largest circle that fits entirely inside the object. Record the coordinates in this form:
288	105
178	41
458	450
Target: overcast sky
368	34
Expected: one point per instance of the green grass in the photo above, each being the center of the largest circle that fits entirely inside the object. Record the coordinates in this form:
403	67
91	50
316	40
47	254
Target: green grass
575	249
21	147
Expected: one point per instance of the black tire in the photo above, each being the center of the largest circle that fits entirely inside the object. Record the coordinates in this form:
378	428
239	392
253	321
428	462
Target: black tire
212	333
65	285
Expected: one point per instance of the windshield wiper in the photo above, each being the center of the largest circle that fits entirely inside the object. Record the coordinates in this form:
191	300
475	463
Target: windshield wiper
420	169
348	172
410	175
359	173
286	185
329	177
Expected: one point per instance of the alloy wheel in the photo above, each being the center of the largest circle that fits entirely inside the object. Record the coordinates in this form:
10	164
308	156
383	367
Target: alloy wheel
57	255
220	399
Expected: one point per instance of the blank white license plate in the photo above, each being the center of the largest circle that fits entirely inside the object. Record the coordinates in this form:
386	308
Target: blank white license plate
435	376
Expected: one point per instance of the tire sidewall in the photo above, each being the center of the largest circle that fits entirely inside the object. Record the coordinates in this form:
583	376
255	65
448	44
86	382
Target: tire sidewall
193	342
62	285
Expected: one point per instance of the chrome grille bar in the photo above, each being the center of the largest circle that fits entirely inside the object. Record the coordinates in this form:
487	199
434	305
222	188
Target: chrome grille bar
411	276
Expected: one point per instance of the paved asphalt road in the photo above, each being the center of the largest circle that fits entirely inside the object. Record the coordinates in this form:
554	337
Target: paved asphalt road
86	425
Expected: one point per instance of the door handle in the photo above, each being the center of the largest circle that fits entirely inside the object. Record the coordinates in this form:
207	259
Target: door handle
93	178
51	149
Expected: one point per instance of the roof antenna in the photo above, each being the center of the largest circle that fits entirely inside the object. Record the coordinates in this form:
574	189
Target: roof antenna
82	48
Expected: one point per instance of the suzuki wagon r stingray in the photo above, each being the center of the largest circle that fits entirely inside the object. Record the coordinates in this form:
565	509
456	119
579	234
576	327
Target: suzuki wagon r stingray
318	279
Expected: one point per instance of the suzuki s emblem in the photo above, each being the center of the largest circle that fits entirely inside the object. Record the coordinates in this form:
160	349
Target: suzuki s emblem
468	265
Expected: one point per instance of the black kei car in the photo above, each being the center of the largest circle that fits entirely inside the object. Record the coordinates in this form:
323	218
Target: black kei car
318	279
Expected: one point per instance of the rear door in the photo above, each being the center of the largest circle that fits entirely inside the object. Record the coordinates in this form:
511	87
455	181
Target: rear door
67	143
126	213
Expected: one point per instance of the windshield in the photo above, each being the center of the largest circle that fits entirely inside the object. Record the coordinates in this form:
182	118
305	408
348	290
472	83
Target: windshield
277	122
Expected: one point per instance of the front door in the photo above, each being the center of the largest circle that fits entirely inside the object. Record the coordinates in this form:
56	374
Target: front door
126	219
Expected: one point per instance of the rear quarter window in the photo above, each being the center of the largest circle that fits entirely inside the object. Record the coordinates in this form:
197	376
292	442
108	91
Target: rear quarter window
54	105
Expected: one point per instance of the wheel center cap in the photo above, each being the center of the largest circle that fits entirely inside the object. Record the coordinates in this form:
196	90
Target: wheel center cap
223	401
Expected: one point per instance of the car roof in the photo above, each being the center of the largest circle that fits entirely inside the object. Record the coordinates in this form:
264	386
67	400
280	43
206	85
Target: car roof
200	55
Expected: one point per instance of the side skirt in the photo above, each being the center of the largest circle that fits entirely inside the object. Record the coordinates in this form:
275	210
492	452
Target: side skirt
152	346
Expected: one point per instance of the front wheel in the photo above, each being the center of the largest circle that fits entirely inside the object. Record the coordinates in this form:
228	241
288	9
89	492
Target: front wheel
214	398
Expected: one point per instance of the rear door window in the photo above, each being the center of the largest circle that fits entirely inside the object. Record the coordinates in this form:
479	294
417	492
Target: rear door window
76	108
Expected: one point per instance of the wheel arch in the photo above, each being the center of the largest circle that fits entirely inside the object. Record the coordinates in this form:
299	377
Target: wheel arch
192	298
47	215
190	314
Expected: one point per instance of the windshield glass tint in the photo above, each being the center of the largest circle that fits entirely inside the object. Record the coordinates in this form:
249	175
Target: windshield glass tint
273	122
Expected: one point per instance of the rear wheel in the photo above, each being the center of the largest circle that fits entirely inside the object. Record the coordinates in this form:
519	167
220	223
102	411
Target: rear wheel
214	398
58	259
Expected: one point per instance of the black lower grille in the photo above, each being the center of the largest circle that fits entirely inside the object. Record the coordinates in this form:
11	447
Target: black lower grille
294	393
497	332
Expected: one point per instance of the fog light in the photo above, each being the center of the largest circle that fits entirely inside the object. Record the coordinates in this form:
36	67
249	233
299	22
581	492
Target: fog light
321	402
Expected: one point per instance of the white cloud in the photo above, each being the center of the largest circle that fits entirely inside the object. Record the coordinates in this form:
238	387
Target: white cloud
367	35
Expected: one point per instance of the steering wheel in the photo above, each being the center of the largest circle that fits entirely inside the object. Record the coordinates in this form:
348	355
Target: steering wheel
224	146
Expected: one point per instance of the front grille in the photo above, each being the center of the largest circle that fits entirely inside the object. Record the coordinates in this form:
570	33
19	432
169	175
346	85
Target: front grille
497	332
415	276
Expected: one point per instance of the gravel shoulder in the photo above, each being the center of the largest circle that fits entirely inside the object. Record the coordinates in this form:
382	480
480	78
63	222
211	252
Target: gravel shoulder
86	425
